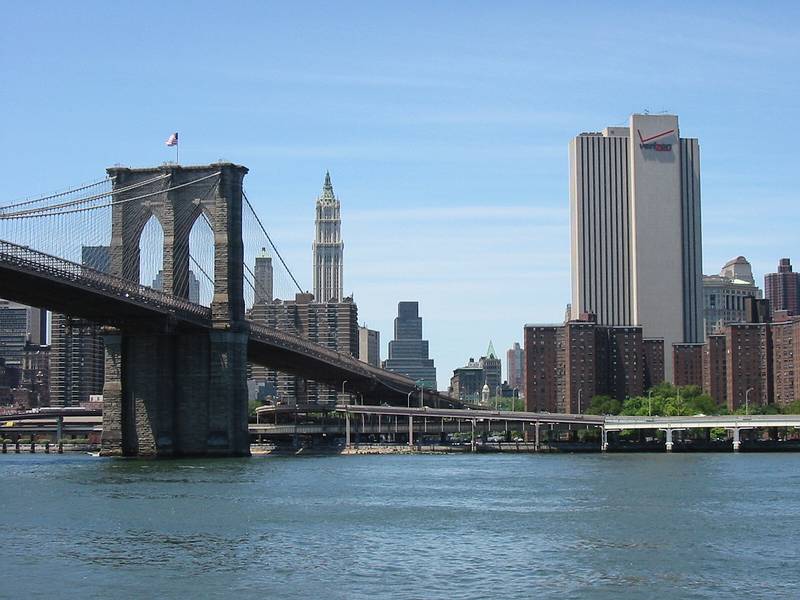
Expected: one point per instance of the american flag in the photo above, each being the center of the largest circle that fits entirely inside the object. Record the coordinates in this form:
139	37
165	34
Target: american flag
173	139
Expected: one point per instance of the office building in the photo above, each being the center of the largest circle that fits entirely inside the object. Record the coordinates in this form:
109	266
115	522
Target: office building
194	285
568	365
467	382
20	325
263	278
515	359
333	325
783	288
408	352
369	346
492	370
724	294
328	247
635	229
77	354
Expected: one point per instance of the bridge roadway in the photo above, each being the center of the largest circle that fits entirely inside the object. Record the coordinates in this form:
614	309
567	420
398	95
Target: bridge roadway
38	279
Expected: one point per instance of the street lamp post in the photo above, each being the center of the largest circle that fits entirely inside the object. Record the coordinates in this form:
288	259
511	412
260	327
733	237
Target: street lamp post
408	397
343	383
580	391
747	400
649	403
421	383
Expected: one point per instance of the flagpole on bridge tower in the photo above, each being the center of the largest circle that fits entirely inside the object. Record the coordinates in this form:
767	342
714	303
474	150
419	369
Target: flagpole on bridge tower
172	140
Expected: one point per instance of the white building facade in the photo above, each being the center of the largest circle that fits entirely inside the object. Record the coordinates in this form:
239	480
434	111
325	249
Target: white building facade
635	229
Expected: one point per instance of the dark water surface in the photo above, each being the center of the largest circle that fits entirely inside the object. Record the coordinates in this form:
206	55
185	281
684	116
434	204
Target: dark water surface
459	526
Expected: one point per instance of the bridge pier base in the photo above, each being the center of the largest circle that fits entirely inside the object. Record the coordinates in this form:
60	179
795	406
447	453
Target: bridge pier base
175	394
736	440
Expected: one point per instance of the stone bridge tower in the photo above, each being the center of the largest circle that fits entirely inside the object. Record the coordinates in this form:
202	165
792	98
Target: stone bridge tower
170	389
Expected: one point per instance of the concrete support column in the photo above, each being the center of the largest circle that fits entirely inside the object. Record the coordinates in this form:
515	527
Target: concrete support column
603	439
472	439
536	443
410	430
736	440
669	439
347	429
111	441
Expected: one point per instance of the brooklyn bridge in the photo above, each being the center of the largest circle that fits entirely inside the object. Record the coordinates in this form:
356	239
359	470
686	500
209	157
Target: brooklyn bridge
175	370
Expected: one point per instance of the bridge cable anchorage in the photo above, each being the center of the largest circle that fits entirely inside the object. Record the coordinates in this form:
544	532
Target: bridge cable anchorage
59	194
271	243
78	201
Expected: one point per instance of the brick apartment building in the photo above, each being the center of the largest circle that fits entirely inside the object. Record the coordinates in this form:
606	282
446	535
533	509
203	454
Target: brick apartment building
567	365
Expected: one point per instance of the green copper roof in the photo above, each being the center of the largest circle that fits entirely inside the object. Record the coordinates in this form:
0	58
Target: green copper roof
490	352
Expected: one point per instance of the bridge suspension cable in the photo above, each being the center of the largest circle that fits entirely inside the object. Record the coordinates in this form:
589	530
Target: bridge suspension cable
58	194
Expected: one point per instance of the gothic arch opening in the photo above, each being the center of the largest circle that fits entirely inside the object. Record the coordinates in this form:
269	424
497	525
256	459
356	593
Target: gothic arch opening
201	260
151	254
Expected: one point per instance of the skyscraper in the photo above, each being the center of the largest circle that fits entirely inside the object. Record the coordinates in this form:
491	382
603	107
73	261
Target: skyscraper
408	352
783	288
263	277
328	247
635	229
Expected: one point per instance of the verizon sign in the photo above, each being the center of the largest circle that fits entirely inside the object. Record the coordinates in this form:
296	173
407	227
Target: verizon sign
648	143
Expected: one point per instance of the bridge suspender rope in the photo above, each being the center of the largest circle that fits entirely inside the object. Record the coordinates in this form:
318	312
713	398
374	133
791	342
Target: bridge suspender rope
269	239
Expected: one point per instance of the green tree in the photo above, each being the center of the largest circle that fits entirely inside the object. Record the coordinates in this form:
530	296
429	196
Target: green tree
604	405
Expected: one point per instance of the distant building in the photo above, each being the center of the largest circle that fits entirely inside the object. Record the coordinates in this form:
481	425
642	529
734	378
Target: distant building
77	355
755	362
263	278
328	247
635	229
194	285
468	381
569	364
20	325
724	294
492	369
36	375
783	288
687	364
408	352
369	346
715	369
333	325
515	359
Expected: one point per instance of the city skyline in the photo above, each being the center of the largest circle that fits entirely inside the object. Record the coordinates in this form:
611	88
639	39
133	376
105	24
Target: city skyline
446	167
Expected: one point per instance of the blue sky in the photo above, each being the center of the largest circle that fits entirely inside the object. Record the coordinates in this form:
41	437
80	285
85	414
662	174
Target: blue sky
444	125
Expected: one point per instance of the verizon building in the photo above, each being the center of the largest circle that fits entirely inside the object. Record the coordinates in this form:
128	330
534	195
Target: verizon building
635	229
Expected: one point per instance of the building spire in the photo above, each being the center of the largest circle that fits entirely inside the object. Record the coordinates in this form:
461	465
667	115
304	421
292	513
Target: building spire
490	353
327	185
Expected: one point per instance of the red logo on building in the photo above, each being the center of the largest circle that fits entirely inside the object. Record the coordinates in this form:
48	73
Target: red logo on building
648	144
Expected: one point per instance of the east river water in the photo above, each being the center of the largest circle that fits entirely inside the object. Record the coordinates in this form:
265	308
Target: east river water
458	526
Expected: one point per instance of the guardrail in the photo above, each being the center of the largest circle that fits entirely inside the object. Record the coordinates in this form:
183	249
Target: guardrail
26	258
